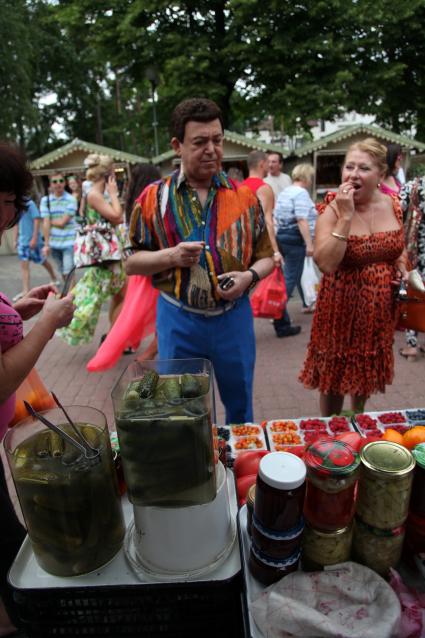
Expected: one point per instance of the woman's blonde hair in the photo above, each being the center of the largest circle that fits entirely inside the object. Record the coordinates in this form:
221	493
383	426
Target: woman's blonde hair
97	166
376	150
303	173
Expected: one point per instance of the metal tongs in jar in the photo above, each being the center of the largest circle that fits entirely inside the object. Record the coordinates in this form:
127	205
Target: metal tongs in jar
91	453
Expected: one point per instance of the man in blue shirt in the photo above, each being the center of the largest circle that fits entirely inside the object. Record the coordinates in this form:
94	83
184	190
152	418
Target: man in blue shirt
29	243
58	211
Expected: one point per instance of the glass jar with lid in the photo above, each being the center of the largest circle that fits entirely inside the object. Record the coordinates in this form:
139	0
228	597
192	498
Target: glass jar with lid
279	492
417	499
378	549
321	548
385	484
332	473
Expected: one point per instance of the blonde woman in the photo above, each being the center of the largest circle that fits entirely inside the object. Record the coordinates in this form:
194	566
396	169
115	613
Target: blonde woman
105	279
359	246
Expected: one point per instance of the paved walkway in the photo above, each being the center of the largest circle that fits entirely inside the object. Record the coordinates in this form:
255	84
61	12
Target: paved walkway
277	393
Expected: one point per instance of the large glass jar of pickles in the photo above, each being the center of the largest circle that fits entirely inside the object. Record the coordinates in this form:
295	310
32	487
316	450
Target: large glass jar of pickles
163	415
417	499
332	473
70	503
385	484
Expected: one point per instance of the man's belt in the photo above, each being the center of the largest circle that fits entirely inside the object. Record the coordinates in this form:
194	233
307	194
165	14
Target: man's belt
206	312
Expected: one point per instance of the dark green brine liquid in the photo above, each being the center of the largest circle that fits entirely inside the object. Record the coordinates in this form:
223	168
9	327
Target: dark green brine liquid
165	434
71	506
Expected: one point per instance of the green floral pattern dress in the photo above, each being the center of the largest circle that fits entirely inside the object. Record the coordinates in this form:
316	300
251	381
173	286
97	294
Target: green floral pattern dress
96	286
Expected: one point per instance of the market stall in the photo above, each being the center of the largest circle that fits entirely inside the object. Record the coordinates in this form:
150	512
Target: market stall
215	522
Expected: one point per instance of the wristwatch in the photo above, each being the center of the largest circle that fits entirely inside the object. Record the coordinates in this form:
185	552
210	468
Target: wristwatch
255	278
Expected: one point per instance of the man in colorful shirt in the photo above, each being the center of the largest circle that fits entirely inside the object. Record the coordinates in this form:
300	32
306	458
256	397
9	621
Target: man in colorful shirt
204	239
58	211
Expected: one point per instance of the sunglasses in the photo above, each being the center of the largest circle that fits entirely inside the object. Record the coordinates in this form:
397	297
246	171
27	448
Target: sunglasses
58	181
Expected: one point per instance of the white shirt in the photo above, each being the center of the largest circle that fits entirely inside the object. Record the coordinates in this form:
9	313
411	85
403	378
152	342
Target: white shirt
278	183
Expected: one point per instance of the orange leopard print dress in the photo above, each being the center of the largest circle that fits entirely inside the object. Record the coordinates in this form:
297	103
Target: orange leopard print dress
351	343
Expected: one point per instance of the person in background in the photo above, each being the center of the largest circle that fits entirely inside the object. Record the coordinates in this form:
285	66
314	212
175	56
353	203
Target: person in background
18	355
275	178
359	246
257	166
390	184
29	243
58	210
104	280
194	231
235	174
138	314
74	187
412	199
293	209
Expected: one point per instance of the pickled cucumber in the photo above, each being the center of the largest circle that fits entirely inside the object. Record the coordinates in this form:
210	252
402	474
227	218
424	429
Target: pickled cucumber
190	386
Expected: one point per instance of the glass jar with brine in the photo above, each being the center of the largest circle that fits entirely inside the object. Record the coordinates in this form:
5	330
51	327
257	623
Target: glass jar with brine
385	484
163	413
70	503
378	549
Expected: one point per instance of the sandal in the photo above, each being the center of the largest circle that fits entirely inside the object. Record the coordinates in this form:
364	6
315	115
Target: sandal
410	356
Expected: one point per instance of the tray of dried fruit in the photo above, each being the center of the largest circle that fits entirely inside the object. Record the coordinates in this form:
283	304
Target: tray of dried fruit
293	435
242	437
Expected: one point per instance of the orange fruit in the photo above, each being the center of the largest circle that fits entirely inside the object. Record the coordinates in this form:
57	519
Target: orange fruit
414	436
393	435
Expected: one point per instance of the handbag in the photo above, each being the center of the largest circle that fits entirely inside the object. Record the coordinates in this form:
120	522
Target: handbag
269	298
95	244
411	303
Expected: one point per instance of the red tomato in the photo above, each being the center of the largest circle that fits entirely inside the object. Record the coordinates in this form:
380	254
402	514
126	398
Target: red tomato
368	439
242	486
248	462
354	439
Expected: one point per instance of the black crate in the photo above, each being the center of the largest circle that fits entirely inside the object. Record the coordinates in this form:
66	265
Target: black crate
198	609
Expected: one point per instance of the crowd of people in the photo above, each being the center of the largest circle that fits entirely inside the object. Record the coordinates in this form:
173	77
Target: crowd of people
195	243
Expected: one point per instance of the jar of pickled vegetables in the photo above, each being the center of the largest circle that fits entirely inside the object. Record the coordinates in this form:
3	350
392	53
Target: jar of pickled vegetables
417	499
332	473
385	484
279	492
377	548
250	500
70	500
320	548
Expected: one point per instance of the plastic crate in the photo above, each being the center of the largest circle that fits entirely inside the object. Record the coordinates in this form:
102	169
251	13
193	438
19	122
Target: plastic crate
114	602
178	611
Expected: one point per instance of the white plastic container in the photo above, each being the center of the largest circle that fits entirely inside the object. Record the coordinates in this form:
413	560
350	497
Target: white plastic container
184	541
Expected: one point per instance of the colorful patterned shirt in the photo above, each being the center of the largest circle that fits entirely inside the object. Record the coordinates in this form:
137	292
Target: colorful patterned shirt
58	207
231	223
11	332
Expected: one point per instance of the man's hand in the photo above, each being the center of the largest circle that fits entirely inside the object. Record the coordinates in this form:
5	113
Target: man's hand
45	250
33	243
33	301
242	281
278	259
186	254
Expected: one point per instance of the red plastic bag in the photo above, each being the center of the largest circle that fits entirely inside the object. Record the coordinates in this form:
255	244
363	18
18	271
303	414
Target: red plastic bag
269	298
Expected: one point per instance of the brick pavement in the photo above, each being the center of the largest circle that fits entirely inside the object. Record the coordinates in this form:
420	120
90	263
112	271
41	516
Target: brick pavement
277	392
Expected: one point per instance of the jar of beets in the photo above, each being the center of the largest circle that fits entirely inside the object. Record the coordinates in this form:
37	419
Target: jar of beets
332	473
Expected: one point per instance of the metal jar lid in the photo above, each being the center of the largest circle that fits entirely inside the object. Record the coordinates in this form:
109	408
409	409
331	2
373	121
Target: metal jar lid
250	497
328	457
329	533
387	458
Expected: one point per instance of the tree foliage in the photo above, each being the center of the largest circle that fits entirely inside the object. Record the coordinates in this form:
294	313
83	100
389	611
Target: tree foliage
297	61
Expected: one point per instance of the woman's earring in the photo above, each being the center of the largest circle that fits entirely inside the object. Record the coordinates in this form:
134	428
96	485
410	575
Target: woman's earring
378	185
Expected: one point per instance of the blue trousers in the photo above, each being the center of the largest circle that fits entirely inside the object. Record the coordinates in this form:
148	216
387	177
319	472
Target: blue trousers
227	340
293	251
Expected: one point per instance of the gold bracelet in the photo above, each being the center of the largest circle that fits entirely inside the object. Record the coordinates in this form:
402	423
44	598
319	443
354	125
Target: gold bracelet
340	237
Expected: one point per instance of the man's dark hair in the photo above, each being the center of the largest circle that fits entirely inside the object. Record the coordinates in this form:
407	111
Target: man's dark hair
393	152
195	109
15	177
280	156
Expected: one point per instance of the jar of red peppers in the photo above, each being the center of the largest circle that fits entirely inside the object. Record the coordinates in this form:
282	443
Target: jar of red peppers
332	473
